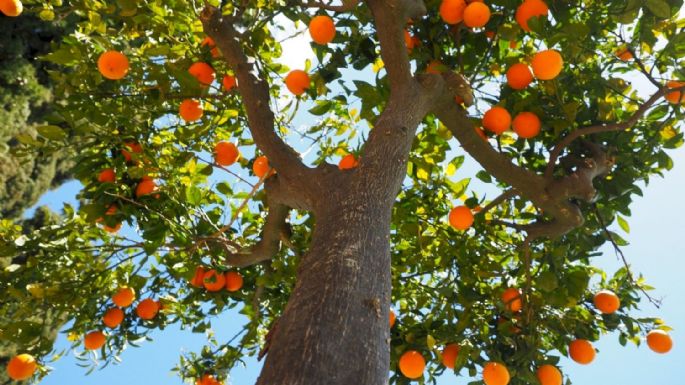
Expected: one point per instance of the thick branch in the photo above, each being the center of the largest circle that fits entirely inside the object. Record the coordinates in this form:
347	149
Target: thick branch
347	5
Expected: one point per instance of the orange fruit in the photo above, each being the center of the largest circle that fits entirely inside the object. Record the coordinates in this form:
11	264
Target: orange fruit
435	67
22	366
198	277
190	110
461	217
392	318
497	120
452	11
207	380
607	301
113	65
213	280
107	175
526	125
519	76
203	72
226	153
229	82
145	186
624	54
659	341
449	355
322	29
675	97
581	351
347	162
112	229
261	166
412	364
234	281
131	147
512	299
147	309
297	82
530	8
490	34
409	40
209	42
547	64
113	317
124	297
476	15
495	373
94	340
548	375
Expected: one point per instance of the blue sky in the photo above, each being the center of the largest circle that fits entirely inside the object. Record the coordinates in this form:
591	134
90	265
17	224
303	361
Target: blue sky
655	250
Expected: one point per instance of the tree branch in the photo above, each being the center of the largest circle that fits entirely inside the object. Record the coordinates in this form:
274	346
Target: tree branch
347	5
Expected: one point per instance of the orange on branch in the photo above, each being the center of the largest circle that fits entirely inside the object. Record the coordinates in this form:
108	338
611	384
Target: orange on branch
675	97
145	187
113	65
495	373
297	82
348	161
549	375
624	54
530	8
260	166
435	67
94	340
526	125
226	153
124	297
511	298
659	341
452	11
112	229
476	15
203	72
392	318
606	301
129	148
113	317
519	76
107	175
198	277
497	120
190	110
234	281
409	41
461	217
412	364
449	355
322	29
581	351
547	65
207	380
147	309
229	82
213	280
21	367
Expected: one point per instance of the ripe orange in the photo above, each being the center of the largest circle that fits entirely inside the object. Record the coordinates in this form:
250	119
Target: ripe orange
190	110
549	375
409	41
111	229
113	65
412	364
547	64
198	277
207	380
94	340
607	301
392	318
659	341
107	175
124	297
675	97
490	34
449	355
435	67
297	82
495	373
113	317
347	162
229	82
322	29
530	8
497	120
512	299
147	309
203	72
234	281
624	54
452	11
461	217
131	147
22	366
208	41
519	76
261	166
145	186
476	15
526	125
213	280
581	351
226	153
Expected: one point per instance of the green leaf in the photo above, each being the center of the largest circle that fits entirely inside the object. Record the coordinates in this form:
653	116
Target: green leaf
623	223
659	8
51	132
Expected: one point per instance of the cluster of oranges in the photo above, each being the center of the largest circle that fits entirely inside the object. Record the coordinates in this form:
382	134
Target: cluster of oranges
227	153
215	281
11	8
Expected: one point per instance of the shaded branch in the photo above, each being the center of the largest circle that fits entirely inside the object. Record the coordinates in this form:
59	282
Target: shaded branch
347	5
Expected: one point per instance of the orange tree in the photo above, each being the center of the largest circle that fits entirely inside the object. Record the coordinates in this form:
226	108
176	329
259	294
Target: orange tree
163	96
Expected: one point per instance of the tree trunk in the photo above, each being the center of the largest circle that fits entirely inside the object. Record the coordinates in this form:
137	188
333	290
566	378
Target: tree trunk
335	328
